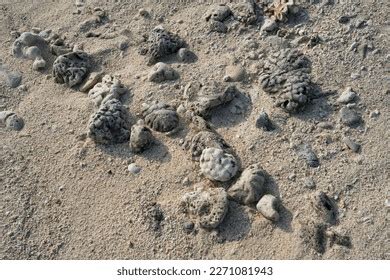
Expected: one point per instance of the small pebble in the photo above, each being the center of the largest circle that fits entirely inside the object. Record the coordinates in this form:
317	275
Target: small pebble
264	122
349	116
143	13
344	19
185	181
13	78
310	183
374	114
355	147
269	25
133	168
188	227
347	96
268	207
123	45
185	55
325	125
235	73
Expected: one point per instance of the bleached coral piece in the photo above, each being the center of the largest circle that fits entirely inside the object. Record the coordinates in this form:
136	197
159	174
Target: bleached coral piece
217	165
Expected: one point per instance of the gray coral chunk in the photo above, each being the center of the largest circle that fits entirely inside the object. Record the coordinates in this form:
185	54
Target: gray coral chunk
71	68
31	46
247	12
286	75
219	13
109	88
205	139
160	116
11	120
305	152
202	102
109	125
162	43
209	207
250	186
140	138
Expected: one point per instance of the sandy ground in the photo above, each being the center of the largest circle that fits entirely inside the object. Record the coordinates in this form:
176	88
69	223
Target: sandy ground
64	197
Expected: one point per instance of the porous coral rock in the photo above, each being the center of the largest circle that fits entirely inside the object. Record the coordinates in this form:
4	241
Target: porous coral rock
160	116
110	124
71	68
208	206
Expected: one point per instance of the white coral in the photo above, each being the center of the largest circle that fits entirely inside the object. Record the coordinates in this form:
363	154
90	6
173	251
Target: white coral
217	165
109	88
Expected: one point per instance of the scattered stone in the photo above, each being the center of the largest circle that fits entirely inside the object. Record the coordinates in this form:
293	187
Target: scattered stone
162	72
11	120
91	81
235	73
109	125
217	26
12	78
140	138
160	116
325	125
71	68
355	147
217	165
208	206
325	207
374	114
188	227
31	46
143	13
247	12
218	13
185	55
80	3
264	122
306	153
269	25
109	88
59	50
97	18
310	183
250	186
268	207
347	96
161	43
123	45
202	140
133	168
350	117
286	75
207	98
185	181
344	19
